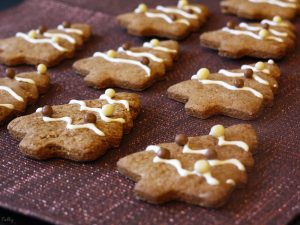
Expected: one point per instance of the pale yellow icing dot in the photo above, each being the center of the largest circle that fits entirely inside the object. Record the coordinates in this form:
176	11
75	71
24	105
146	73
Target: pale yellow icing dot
110	92
260	65
201	166
217	131
32	34
183	3
142	8
154	42
108	110
277	19
263	33
42	69
203	74
56	39
112	53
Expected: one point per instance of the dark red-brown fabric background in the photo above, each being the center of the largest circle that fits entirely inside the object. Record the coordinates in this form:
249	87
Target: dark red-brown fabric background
64	192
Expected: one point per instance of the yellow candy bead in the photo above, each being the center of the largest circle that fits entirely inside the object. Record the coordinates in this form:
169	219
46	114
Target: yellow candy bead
112	53
201	166
32	34
277	19
154	42
260	65
42	69
56	39
142	8
110	92
263	33
203	74
217	131
183	3
108	110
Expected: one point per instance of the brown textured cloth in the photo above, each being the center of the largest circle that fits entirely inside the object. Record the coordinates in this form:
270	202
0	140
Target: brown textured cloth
64	192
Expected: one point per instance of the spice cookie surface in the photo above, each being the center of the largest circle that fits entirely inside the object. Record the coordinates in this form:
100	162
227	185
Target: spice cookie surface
44	46
267	39
202	170
80	130
261	9
129	67
174	22
240	93
19	90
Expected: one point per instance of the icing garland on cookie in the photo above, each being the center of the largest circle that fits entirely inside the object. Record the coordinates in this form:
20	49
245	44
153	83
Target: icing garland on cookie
183	172
176	11
202	75
66	37
254	69
110	56
109	94
12	93
184	4
70	30
291	4
263	34
141	54
142	8
9	106
32	40
70	126
154	44
83	107
201	167
258	28
277	21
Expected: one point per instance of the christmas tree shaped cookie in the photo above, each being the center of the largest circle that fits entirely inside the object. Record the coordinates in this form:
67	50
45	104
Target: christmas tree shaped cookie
240	93
174	22
202	170
19	90
44	46
129	67
80	130
261	9
267	39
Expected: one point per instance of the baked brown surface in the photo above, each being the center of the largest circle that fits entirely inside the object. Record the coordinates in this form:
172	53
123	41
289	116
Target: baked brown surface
66	193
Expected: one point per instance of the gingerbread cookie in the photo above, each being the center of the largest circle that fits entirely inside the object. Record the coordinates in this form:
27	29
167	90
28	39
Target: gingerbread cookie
133	68
261	9
202	170
174	22
80	130
18	91
44	46
268	39
240	93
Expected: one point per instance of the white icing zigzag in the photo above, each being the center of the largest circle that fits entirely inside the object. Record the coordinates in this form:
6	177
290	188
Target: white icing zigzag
124	61
291	4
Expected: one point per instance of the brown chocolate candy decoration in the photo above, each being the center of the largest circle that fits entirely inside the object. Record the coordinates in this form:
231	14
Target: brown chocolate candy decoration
173	17
66	24
10	73
248	73
42	29
145	61
231	24
126	46
266	26
181	139
190	11
211	154
90	118
47	111
239	83
164	153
